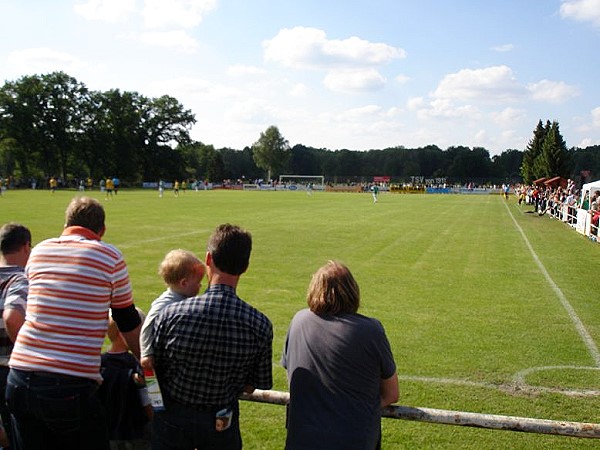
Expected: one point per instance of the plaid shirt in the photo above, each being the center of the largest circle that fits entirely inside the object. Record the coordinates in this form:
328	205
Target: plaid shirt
207	348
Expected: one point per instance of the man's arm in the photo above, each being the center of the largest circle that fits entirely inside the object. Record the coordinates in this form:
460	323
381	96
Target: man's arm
129	323
13	320
133	340
389	391
15	305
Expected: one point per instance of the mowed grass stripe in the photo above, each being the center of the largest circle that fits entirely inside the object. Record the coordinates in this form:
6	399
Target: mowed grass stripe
579	326
449	277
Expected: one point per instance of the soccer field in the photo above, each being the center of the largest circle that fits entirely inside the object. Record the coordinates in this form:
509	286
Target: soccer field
488	308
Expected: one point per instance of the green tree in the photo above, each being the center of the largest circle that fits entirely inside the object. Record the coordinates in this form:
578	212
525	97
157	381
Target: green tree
508	164
61	118
21	108
271	152
211	163
531	167
556	157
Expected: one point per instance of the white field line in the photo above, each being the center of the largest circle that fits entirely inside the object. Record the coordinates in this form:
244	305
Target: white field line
165	237
579	326
518	386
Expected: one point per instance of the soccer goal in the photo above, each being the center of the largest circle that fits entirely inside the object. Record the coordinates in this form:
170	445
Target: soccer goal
303	182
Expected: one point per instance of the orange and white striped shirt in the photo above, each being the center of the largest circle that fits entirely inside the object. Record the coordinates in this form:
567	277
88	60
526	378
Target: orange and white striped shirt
73	281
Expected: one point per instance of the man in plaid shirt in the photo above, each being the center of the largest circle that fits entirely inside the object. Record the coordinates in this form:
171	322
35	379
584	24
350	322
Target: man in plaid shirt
208	350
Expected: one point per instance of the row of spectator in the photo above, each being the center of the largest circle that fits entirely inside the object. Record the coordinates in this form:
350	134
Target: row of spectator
58	390
562	203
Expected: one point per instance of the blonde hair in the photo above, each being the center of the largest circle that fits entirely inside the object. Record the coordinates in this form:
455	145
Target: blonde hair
178	265
333	290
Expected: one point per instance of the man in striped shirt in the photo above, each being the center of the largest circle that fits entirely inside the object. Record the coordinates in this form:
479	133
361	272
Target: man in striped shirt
55	364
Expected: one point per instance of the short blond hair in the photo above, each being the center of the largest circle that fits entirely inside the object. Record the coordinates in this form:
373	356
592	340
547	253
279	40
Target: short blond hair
333	290
178	265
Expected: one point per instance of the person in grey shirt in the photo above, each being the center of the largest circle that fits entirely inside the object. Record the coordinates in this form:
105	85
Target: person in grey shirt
340	368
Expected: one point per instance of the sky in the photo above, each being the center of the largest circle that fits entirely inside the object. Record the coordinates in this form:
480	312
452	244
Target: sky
334	74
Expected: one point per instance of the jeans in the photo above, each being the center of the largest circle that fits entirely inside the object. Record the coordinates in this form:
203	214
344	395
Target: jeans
55	412
180	428
4	413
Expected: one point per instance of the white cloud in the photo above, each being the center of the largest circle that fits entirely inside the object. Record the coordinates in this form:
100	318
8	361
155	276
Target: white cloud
552	91
446	109
508	116
253	110
354	80
480	137
596	117
582	10
415	103
401	79
106	10
43	60
360	114
156	13
241	70
302	47
503	48
177	39
193	88
299	90
176	13
495	83
588	142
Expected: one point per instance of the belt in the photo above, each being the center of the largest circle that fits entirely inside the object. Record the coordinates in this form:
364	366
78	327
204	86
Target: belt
200	408
61	376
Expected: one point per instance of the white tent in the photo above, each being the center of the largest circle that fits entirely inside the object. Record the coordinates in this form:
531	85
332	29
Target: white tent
588	190
584	220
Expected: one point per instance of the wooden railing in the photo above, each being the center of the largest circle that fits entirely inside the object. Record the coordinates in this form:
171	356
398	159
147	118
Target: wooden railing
460	418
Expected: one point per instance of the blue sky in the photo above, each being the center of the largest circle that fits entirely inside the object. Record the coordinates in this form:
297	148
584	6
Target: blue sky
331	74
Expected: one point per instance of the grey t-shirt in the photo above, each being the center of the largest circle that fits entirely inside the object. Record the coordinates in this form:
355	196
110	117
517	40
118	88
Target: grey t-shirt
335	365
13	295
147	332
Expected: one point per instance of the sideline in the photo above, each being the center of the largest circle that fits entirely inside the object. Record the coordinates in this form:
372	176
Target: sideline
587	339
517	386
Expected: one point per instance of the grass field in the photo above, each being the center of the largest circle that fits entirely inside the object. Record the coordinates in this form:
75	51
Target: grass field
481	300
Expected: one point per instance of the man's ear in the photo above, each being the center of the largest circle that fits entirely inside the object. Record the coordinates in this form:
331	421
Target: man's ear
208	259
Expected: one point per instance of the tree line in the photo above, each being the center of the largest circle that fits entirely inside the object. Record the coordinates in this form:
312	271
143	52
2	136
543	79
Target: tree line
53	125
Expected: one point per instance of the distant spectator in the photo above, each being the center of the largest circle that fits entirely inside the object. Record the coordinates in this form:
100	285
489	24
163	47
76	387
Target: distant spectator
595	219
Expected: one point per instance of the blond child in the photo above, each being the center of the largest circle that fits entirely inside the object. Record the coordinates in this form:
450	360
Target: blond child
182	272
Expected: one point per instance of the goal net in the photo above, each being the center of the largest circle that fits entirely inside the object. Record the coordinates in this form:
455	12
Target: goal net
303	182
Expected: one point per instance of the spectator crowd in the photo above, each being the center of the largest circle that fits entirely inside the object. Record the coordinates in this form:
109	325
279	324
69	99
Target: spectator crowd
61	299
562	203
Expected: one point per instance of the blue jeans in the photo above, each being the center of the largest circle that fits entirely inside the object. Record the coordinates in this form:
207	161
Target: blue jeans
55	412
4	413
180	428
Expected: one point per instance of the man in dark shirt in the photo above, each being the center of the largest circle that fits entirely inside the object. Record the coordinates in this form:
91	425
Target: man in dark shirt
208	350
